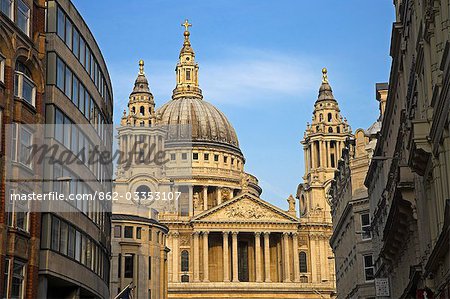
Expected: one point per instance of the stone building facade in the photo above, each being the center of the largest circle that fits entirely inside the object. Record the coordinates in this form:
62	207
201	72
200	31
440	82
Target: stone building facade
224	240
22	87
52	72
409	183
352	239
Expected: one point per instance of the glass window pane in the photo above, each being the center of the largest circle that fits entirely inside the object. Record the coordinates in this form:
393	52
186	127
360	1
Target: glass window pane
63	238
25	147
28	91
60	25
76	43
71	243
68	88
55	233
6	7
59	128
77	245
60	72
75	91
23	16
69	34
82	52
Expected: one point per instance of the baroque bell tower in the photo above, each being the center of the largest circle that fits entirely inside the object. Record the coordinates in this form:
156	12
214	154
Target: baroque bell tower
322	143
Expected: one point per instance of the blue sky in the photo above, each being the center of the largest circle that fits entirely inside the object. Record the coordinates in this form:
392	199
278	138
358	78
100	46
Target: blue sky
260	63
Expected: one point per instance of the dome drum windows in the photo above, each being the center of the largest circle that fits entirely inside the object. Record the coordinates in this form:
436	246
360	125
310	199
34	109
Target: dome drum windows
303	262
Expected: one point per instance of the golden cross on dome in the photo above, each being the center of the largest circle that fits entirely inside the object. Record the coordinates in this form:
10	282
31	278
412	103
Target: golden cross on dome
186	25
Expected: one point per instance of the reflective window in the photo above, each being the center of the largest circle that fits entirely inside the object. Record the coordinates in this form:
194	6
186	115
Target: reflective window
6	6
365	226
369	269
185	261
129	265
23	17
303	262
24	87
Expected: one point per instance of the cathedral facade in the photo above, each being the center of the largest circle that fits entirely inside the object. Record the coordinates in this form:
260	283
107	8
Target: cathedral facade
223	240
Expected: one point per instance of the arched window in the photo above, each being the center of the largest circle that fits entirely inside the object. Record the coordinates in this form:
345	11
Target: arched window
330	117
304	279
330	130
142	111
133	110
184	261
338	129
303	262
184	278
321	117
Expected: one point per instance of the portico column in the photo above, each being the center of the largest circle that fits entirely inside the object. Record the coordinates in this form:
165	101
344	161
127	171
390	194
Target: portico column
191	199
205	257
296	258
226	263
267	257
258	256
196	258
327	152
205	198
286	258
219	195
235	256
170	255
176	258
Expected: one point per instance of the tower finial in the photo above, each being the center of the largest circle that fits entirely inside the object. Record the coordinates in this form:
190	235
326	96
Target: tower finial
186	25
141	67
324	75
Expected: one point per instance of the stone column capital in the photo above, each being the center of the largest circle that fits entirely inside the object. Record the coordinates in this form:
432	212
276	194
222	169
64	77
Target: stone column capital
266	234
195	233
286	234
258	234
205	233
225	232
235	233
175	234
295	234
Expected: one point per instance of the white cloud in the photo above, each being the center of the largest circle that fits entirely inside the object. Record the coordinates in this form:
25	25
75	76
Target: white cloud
240	77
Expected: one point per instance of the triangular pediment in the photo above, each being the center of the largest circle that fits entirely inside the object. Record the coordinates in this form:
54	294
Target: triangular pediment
245	208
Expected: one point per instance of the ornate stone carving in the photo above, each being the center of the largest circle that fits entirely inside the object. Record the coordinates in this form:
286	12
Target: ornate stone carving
198	202
226	194
184	240
243	211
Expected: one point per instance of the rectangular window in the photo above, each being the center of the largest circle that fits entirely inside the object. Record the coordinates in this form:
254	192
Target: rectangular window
128	232
206	157
71	242
63	238
55	234
82	52
184	156
149	268
68	39
6	7
75	91
61	24
188	74
68	88
76	43
225	159
172	156
365	226
195	156
24	88
138	232
60	72
59	126
216	158
17	281
129	265
23	17
369	269
22	141
117	231
77	246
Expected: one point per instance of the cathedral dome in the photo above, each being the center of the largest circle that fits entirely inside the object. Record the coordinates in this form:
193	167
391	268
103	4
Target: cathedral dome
208	123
